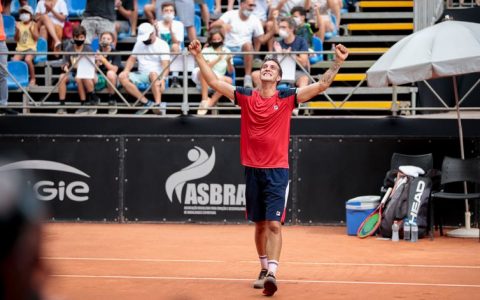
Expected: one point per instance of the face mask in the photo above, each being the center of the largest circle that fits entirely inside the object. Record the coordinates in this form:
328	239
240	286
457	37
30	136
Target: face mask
24	17
283	33
246	12
78	42
215	45
148	42
104	44
168	17
297	20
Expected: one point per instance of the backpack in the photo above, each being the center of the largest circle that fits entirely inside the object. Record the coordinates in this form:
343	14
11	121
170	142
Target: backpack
408	202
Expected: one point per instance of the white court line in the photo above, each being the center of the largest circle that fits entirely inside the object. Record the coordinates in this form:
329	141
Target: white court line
134	259
256	262
279	280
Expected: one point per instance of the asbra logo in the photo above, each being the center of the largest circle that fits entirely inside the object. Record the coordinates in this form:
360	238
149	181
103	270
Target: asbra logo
203	198
47	190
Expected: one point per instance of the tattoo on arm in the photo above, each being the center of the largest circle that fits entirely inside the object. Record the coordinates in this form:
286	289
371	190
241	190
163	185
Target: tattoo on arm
329	75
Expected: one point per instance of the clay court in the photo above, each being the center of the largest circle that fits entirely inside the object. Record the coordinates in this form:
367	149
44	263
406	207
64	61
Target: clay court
164	261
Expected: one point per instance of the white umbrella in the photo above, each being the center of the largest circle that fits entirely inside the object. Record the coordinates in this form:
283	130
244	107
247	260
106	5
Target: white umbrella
449	48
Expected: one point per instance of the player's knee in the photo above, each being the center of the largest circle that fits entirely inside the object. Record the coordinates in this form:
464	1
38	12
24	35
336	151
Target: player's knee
274	227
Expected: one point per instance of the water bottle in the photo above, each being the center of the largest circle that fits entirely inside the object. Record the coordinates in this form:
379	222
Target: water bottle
414	232
406	230
395	228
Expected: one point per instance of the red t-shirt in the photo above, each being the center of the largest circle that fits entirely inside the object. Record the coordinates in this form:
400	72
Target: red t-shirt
265	127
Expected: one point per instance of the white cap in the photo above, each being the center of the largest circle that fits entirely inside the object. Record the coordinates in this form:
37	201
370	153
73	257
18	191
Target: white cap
144	31
26	8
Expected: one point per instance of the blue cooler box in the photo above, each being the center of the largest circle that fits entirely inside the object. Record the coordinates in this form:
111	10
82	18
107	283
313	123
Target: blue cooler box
358	210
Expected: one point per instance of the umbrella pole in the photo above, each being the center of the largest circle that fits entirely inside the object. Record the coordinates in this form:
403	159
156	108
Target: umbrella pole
465	232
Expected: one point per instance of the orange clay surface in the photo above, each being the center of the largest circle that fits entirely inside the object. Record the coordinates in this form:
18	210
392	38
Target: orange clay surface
165	261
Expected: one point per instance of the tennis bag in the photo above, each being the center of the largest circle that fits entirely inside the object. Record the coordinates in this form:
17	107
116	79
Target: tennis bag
408	202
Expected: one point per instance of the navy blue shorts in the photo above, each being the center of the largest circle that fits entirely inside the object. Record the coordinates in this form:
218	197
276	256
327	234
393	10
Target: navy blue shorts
266	194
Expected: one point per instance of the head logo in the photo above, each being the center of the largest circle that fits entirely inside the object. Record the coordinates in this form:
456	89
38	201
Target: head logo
200	167
48	190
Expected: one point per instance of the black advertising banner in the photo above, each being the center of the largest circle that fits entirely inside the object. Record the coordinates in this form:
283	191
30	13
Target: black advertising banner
333	170
77	178
184	179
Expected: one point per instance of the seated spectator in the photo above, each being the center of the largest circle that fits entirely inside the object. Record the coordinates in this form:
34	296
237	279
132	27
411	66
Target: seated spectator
327	16
172	32
26	36
304	29
221	62
99	16
109	65
127	16
85	87
290	42
50	16
150	67
240	27
185	10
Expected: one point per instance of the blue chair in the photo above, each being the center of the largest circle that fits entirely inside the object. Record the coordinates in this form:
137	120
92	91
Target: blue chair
9	25
76	8
210	4
42	46
198	25
331	34
143	86
317	46
15	6
19	70
95	44
141	4
238	60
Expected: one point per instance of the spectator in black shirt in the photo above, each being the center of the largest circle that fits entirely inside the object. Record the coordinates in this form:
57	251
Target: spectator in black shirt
99	16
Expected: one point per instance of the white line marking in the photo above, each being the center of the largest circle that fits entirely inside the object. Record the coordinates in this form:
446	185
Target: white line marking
280	280
134	259
256	262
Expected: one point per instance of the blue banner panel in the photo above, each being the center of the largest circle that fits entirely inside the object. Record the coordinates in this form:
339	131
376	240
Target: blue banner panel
76	177
184	179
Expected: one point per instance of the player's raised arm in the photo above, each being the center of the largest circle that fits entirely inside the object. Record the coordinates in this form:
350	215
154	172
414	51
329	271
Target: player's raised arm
222	87
308	92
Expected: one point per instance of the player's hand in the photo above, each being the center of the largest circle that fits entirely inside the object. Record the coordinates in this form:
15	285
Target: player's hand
341	53
195	48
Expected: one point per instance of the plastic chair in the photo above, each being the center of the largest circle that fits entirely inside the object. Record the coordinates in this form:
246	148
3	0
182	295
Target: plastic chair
15	6
19	70
76	8
141	4
42	46
456	171
198	25
317	47
9	25
210	4
95	45
424	161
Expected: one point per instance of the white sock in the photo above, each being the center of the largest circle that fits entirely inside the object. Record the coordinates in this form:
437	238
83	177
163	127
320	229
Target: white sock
263	261
272	266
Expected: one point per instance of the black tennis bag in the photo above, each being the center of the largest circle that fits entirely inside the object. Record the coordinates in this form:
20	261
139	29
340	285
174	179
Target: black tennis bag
408	202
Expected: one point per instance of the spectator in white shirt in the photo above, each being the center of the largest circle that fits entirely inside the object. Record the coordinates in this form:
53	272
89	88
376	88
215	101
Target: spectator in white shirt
169	29
150	67
50	16
240	27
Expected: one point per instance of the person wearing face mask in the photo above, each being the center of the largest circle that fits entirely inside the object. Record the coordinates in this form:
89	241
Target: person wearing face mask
109	65
185	10
3	70
85	87
172	32
290	42
26	36
304	29
152	68
241	27
219	59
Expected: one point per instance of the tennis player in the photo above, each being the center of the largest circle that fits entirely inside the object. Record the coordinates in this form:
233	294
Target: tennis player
264	138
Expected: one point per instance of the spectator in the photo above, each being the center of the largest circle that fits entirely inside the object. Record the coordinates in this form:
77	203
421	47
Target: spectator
127	16
285	6
186	14
290	42
240	27
221	62
109	65
327	16
149	11
150	67
172	32
85	86
304	29
50	16
3	71
26	36
99	16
